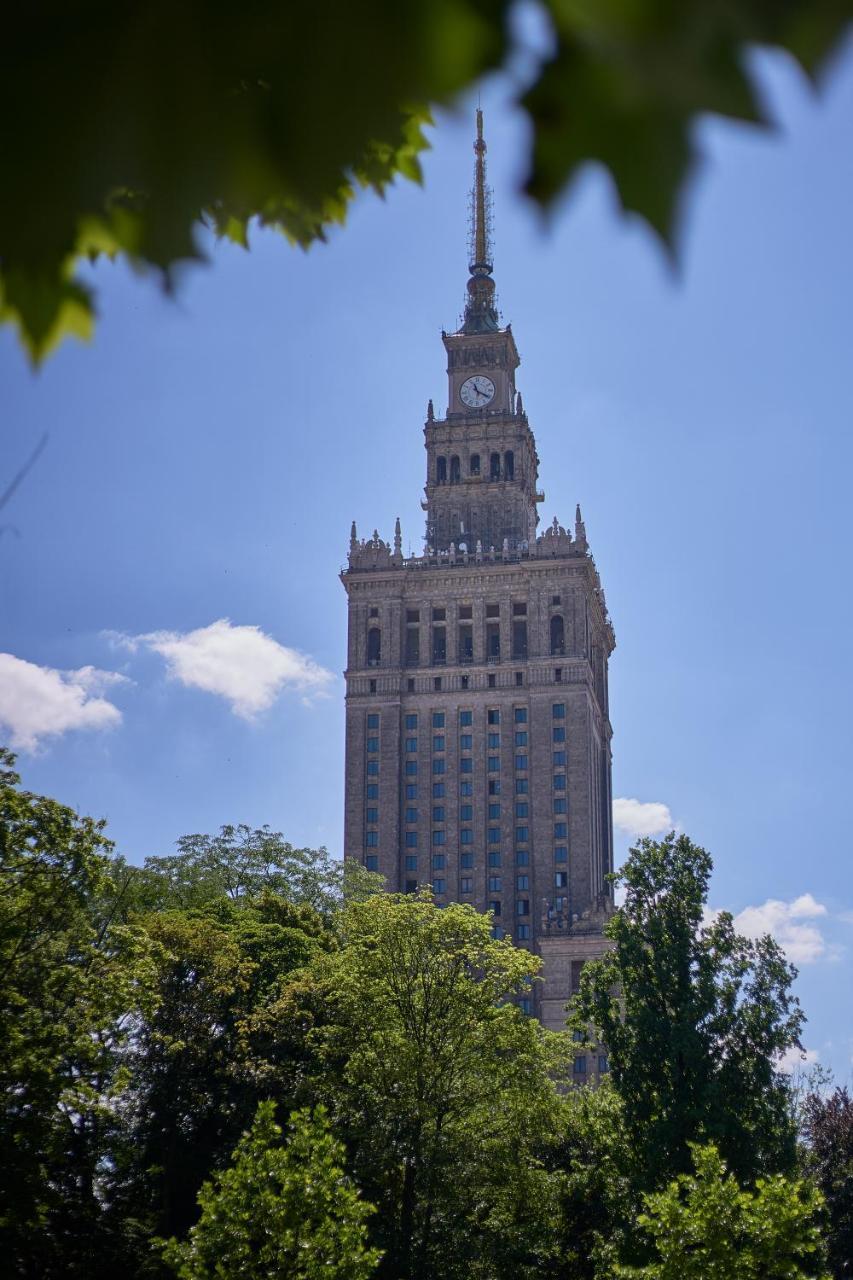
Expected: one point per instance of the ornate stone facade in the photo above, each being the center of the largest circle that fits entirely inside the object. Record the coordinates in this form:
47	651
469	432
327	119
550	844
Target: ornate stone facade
477	727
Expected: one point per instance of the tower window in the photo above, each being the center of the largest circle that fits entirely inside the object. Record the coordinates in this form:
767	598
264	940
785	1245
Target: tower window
410	686
372	687
464	682
519	677
441	470
491	681
474	465
465	612
439	615
439	645
374	647
519	639
519	609
509	465
413	615
374	612
493	641
436	684
495	466
558	647
455	474
493	610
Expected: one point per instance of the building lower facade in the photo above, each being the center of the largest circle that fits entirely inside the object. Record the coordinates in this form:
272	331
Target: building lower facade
478	756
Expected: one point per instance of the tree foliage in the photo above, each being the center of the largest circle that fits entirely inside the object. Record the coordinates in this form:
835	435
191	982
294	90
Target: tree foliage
279	1210
828	1133
704	1227
694	1017
154	1020
442	1086
124	126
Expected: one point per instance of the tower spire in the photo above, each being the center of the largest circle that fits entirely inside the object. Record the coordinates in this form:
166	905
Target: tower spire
480	312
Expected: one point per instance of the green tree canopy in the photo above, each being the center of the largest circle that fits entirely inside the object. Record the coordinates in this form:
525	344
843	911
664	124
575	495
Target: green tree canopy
694	1017
122	127
704	1227
827	1121
279	1210
441	1086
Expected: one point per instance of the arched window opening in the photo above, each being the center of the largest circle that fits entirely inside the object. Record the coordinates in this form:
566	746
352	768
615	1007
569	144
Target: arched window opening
374	647
455	474
475	464
509	464
558	643
441	470
495	466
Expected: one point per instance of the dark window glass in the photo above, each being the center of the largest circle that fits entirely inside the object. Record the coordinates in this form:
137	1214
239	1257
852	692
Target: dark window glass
438	719
491	682
373	721
495	810
440	470
371	839
493	764
466	741
522	834
438	764
467	859
494	786
519	639
373	790
371	862
521	715
466	764
373	767
411	862
495	908
494	884
561	879
374	647
466	717
438	837
558	710
474	466
580	1066
561	853
522	882
438	813
438	861
519	677
411	744
522	932
411	722
411	791
494	835
561	830
521	762
466	884
559	782
438	742
560	805
559	759
438	884
519	609
372	744
466	788
509	465
521	786
522	809
495	858
522	858
522	907
494	716
372	815
466	836
559	733
521	738
494	741
411	767
438	791
411	839
466	812
413	615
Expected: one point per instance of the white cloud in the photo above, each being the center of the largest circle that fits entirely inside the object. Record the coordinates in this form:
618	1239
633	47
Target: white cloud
790	923
794	1059
239	663
39	702
638	818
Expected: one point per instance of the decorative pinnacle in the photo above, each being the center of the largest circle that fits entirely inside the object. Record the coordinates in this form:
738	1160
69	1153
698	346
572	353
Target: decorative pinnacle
353	537
430	411
398	538
480	312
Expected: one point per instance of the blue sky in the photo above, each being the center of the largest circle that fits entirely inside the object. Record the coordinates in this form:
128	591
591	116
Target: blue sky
206	455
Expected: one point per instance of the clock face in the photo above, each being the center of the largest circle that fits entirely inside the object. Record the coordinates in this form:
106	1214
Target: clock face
476	392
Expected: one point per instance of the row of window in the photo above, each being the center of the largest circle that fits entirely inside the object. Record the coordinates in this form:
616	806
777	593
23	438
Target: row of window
438	719
452	469
464	682
465	637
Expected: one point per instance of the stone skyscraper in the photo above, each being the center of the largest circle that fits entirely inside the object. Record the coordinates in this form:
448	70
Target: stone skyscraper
477	729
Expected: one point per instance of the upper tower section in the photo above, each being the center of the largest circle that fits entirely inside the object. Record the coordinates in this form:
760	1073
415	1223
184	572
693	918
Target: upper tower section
481	457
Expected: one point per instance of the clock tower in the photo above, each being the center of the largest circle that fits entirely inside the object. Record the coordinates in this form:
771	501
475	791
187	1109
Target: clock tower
477	718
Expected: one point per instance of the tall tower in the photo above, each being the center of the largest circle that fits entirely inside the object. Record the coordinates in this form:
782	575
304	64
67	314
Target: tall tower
477	729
